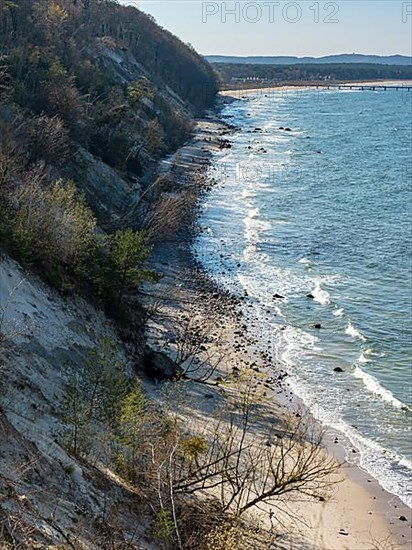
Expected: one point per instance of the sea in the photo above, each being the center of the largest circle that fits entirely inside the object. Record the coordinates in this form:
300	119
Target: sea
310	220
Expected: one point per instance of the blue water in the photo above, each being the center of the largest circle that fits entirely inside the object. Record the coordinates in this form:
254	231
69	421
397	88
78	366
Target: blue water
326	210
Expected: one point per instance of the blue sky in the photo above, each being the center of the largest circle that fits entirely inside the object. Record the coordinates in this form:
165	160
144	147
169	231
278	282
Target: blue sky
281	27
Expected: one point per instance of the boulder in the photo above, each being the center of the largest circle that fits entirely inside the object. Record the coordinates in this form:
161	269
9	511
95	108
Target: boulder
159	366
338	369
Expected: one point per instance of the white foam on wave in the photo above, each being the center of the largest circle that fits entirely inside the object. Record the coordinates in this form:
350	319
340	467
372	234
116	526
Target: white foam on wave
390	469
352	331
254	226
305	261
247	194
374	386
254	213
339	312
320	295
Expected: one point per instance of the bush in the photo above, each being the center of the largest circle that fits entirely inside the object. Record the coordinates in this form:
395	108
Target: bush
48	140
55	222
124	266
95	391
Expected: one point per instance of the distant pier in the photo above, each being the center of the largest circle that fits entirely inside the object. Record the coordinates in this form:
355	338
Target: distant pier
364	87
242	89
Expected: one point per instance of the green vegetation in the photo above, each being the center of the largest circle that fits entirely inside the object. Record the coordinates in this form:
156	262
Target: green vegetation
50	226
100	81
95	390
232	72
94	92
128	252
199	477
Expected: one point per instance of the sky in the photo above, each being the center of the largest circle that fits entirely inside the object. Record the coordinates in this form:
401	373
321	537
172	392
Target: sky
305	27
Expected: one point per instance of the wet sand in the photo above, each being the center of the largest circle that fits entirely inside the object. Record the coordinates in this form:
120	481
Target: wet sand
359	515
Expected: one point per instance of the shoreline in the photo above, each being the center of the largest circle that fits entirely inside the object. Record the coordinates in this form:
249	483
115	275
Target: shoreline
237	93
360	506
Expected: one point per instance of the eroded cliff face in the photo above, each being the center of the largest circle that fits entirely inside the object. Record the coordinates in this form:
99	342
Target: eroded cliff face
49	497
92	95
97	92
114	189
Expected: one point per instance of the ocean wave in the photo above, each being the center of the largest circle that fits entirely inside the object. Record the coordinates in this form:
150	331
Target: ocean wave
352	331
390	469
254	226
247	194
254	213
375	387
320	295
256	185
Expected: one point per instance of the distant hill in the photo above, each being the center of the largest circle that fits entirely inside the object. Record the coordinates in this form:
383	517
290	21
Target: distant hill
291	60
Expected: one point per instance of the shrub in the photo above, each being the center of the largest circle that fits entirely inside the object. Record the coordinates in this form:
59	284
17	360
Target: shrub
140	89
49	140
55	222
96	389
125	267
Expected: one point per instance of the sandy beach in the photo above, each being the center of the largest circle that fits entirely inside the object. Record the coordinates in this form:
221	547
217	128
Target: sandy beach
239	92
359	515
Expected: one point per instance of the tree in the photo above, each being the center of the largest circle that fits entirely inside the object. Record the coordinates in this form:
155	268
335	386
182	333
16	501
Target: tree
252	460
48	140
96	388
131	418
237	459
152	140
140	89
68	225
129	252
193	345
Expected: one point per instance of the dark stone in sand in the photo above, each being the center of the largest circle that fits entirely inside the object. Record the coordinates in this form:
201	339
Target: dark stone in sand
281	128
343	532
338	369
403	518
278	297
288	130
158	365
317	325
310	295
